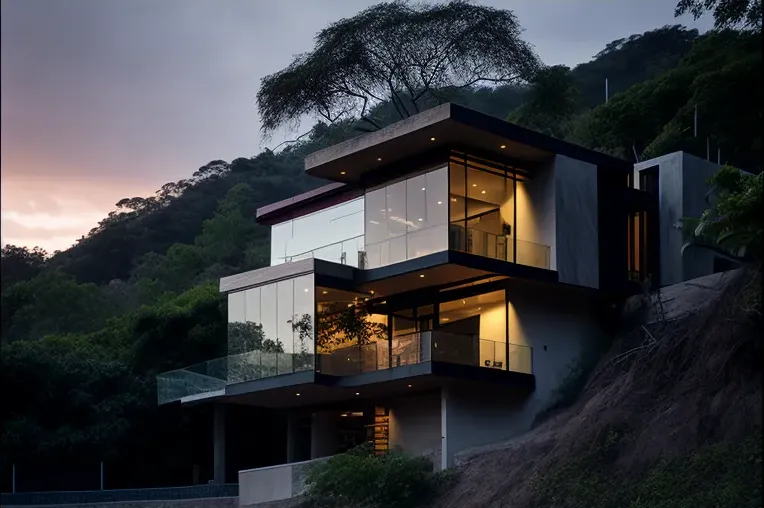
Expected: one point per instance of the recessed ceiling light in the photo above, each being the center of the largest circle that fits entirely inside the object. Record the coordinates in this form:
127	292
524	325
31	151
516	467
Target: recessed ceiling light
306	290
421	276
432	139
379	158
371	291
420	220
474	185
342	172
453	200
464	302
357	393
482	192
297	394
325	292
409	386
422	188
440	202
444	319
503	146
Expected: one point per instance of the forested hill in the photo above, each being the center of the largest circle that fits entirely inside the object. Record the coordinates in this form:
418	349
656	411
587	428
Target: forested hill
85	331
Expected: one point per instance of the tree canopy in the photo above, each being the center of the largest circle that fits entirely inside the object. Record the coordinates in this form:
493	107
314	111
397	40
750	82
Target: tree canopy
727	13
400	53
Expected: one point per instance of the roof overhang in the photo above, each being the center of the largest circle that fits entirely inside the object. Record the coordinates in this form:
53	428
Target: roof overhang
442	127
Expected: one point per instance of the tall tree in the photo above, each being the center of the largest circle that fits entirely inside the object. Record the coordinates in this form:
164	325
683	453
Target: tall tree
397	52
727	13
551	102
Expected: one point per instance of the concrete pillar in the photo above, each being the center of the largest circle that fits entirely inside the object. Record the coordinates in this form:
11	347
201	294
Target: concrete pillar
218	440
293	439
446	458
324	437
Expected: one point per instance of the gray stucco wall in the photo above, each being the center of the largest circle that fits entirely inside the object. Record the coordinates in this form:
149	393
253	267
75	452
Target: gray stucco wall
576	212
561	329
415	425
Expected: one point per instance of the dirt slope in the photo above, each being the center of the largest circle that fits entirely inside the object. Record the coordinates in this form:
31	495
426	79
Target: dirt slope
668	389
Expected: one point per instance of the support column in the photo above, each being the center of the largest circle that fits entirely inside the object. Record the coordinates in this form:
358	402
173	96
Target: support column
324	437
218	440
293	438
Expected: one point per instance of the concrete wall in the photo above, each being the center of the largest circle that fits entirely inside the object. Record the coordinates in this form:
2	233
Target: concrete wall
415	425
682	187
576	215
561	330
324	438
536	212
273	483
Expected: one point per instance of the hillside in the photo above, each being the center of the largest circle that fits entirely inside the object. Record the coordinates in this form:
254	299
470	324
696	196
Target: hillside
670	417
85	332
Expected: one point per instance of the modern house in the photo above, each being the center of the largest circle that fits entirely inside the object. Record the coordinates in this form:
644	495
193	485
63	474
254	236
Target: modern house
438	292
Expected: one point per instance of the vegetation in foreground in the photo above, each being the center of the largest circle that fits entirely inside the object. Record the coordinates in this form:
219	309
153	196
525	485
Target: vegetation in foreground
359	478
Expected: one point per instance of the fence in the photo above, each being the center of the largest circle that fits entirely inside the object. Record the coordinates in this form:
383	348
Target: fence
110	496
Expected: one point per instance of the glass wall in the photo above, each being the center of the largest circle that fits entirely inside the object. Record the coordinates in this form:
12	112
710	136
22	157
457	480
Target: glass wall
407	219
333	234
350	339
270	329
483	205
473	331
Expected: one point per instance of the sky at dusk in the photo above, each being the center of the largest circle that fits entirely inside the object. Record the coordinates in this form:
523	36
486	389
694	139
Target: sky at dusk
105	99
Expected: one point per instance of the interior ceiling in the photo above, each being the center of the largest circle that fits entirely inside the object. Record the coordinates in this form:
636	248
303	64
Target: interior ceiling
435	276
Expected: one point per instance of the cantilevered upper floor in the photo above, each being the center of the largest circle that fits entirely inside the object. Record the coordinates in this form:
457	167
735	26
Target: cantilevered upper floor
454	179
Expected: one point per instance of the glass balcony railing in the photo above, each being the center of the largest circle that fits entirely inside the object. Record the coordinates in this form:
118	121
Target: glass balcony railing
482	243
198	379
213	375
260	364
424	347
347	252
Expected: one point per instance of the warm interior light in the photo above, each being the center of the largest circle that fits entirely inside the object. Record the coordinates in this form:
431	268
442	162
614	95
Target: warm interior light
453	200
464	302
421	276
420	220
350	305
482	192
432	139
297	394
325	292
409	386
503	146
357	393
342	172
371	291
474	185
379	158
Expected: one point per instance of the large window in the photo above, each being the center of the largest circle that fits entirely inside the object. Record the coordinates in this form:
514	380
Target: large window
333	234
349	338
407	219
270	329
484	199
473	331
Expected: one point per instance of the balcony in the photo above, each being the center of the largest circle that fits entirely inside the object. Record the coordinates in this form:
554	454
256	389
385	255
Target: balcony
483	243
211	377
424	347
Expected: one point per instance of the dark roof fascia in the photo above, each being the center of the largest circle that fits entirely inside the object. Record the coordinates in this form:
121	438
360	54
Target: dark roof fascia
304	203
534	139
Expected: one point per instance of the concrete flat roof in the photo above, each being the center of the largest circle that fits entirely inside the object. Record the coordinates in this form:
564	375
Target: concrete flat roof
441	127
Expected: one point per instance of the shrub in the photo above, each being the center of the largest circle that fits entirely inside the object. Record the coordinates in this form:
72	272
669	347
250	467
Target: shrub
359	478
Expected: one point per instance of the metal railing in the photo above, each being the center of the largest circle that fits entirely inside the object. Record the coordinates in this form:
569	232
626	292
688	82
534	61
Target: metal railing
424	347
121	495
483	243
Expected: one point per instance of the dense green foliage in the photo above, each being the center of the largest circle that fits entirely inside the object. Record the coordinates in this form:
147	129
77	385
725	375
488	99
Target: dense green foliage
731	226
85	331
361	478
